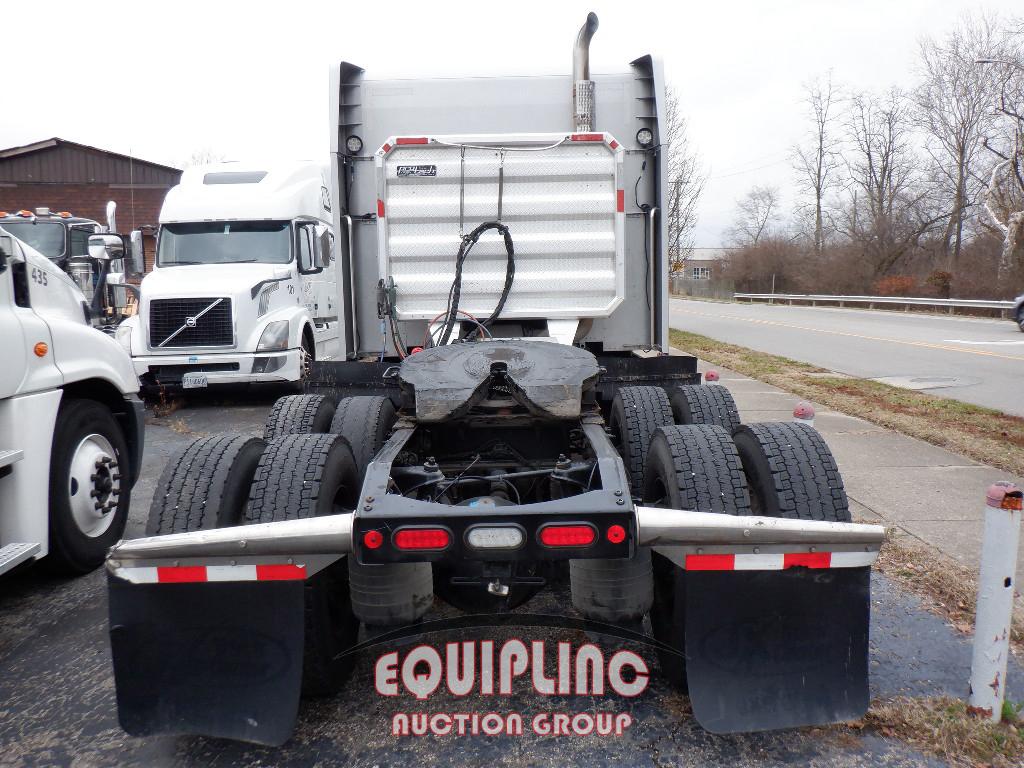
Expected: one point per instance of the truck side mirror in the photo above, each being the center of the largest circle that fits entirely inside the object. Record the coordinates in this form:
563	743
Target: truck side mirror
6	250
325	253
138	252
106	247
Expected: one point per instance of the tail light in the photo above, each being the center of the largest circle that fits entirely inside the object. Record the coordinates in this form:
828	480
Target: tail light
373	539
580	535
495	537
616	534
422	538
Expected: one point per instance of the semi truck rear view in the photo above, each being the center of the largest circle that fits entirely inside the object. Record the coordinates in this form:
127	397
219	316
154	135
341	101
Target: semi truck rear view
506	411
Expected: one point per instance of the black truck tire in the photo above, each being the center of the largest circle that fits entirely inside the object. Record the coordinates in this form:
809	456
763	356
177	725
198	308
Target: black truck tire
791	472
302	476
205	485
366	423
704	404
695	467
636	413
88	466
391	594
299	415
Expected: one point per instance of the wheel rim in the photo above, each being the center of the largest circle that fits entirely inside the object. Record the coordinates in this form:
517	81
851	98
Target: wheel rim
94	485
305	361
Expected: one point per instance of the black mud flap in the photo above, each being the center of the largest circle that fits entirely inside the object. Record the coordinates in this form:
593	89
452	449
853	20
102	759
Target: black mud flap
777	649
210	659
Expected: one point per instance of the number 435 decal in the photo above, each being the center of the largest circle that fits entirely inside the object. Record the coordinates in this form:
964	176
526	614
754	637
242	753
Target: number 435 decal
39	276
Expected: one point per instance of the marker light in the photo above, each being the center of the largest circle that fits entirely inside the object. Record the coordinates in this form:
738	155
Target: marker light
354	145
616	534
567	535
496	537
40	349
422	538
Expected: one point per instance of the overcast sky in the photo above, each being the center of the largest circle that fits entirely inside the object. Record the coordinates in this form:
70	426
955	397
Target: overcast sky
248	80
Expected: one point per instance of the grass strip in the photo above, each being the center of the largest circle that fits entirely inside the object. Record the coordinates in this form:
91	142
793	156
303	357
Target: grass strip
982	434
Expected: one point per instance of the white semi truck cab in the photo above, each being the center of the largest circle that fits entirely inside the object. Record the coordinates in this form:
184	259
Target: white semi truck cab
244	286
70	420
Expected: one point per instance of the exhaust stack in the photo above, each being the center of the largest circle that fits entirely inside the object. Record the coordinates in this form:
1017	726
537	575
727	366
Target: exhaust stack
582	85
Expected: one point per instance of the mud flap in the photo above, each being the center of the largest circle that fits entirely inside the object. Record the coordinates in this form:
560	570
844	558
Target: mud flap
211	659
777	649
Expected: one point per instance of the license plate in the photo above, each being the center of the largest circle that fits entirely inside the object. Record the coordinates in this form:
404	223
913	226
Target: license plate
193	380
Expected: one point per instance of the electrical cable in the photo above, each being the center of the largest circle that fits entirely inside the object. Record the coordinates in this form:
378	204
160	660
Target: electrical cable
456	290
428	337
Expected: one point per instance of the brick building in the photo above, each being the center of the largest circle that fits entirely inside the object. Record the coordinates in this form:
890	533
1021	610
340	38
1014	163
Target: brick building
65	176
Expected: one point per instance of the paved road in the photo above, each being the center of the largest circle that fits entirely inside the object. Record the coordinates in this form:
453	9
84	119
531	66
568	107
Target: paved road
57	696
976	360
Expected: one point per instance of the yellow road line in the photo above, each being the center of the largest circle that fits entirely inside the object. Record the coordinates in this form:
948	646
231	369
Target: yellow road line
925	344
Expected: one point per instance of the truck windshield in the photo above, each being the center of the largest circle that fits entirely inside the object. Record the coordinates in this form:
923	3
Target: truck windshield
47	237
224	242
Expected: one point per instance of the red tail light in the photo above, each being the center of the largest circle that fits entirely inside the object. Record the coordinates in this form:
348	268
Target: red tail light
372	539
567	535
616	534
422	538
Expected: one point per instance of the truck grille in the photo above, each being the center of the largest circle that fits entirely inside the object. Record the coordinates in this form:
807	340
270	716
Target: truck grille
169	319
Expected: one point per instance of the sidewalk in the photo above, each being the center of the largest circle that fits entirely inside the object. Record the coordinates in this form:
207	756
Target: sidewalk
930	493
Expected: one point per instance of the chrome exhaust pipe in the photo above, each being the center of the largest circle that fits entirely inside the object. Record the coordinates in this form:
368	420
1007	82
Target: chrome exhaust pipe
657	527
328	535
582	85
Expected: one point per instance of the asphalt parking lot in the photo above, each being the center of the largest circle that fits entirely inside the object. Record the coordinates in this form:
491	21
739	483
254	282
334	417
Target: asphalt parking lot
57	695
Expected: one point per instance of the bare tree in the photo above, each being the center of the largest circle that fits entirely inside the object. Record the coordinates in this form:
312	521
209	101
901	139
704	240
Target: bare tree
953	104
205	156
1004	195
817	161
889	208
755	213
686	180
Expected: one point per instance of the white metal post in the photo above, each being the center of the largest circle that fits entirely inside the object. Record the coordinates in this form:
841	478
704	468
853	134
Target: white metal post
995	599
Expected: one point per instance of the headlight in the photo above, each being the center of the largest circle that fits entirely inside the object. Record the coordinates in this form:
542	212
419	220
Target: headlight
275	336
123	334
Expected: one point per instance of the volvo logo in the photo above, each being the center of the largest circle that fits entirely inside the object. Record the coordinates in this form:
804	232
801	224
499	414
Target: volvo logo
190	322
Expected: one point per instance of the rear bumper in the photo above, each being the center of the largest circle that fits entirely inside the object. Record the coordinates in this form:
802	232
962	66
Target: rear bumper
218	367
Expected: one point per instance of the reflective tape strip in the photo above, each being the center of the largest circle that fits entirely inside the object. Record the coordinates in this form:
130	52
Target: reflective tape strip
191	574
853	559
760	562
778	561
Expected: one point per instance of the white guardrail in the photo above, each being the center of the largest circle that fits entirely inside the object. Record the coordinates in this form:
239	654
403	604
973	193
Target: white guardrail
871	301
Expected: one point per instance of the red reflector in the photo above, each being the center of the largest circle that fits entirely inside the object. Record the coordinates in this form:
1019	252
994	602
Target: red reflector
181	574
613	144
567	536
422	538
408	140
620	200
386	148
372	539
710	562
616	534
807	559
587	137
380	209
281	572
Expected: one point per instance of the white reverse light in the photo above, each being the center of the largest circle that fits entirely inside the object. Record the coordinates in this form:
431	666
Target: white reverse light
503	537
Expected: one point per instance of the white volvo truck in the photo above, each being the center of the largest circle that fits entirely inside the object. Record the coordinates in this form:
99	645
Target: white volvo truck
70	421
243	290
